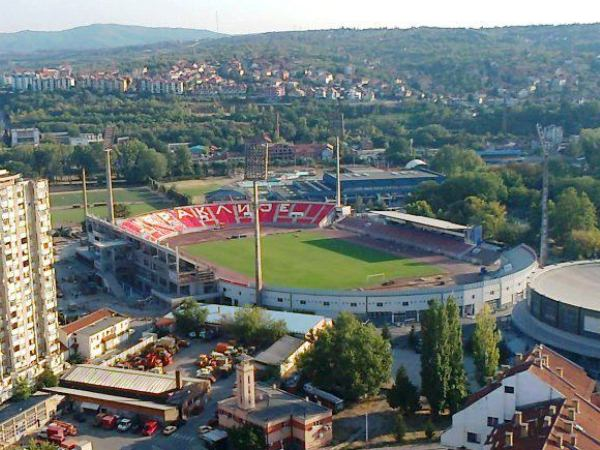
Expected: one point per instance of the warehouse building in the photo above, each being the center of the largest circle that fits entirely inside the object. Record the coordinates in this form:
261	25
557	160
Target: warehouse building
23	418
166	398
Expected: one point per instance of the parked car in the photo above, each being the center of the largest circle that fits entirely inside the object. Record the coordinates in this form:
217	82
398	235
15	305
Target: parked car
124	425
109	422
169	430
150	427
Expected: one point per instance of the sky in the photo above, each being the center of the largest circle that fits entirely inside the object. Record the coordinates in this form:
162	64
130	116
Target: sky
255	16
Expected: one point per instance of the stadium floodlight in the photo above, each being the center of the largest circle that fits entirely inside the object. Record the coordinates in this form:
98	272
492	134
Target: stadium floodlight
109	137
257	161
257	157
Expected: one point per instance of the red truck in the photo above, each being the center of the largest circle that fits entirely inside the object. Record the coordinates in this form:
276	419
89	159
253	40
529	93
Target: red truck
109	422
55	434
150	427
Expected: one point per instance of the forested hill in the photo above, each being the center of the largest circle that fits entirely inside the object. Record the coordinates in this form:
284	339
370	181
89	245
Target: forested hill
98	36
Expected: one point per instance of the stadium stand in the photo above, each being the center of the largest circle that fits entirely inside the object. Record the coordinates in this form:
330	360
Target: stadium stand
411	237
169	222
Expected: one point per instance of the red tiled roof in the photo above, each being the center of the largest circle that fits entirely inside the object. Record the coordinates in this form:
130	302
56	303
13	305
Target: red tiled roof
573	383
536	435
87	320
481	393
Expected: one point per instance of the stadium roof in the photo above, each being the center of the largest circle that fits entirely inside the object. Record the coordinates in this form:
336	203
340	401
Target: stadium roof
420	220
575	284
378	174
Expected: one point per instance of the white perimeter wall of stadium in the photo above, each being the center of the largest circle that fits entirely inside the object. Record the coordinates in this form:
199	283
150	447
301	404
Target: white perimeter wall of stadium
502	292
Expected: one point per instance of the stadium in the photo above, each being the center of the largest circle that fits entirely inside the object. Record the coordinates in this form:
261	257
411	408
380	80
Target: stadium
563	310
316	258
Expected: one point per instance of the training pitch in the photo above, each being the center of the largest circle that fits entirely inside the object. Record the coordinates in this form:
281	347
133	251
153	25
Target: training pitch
312	260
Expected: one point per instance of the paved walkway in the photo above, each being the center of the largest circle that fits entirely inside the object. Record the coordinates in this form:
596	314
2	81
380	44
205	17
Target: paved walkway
581	345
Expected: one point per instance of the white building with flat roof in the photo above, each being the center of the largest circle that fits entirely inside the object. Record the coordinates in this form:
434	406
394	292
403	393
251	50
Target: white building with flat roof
29	321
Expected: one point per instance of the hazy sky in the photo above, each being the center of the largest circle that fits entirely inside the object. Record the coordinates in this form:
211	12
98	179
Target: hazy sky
252	16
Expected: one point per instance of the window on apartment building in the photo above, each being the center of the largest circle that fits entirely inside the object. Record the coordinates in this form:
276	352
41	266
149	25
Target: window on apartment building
352	305
280	300
472	437
379	305
325	303
404	303
492	421
303	302
509	389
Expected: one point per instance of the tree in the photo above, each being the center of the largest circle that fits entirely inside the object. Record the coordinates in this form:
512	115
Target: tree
122	210
399	427
429	429
589	144
572	211
435	366
136	162
247	437
420	208
452	161
252	326
485	344
22	389
40	445
182	162
583	244
350	359
190	316
47	379
457	380
403	395
385	333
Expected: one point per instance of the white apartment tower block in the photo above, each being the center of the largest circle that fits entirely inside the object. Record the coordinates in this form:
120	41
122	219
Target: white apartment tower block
28	318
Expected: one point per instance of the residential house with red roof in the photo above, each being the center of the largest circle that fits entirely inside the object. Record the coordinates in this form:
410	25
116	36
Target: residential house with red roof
544	402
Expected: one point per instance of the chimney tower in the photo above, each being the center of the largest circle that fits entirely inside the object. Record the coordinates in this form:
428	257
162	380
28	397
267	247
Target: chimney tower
246	396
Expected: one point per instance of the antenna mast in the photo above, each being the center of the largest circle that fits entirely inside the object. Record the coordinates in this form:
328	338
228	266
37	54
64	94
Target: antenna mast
544	226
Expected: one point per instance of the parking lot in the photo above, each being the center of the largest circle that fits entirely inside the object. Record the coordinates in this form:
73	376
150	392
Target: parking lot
186	437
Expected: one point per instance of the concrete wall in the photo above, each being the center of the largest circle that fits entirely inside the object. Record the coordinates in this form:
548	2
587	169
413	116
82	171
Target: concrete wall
503	291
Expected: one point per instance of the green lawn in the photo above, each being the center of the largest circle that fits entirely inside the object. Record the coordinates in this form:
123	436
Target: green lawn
122	195
197	189
74	216
311	260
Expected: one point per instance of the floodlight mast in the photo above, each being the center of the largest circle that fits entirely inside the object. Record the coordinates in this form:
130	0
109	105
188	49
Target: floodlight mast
109	136
84	188
544	227
257	157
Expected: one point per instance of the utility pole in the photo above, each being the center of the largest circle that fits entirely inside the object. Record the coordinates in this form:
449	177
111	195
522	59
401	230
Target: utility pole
84	186
544	227
338	182
277	130
109	134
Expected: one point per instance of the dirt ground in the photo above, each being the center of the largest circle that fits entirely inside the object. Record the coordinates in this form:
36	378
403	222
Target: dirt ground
349	425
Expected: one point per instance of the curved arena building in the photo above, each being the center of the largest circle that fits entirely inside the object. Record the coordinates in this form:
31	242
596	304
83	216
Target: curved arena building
161	253
563	310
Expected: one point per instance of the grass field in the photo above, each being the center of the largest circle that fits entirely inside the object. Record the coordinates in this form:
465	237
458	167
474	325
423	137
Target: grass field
139	201
197	189
311	260
122	195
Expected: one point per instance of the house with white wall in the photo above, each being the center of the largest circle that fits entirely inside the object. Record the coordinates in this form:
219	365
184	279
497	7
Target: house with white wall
528	406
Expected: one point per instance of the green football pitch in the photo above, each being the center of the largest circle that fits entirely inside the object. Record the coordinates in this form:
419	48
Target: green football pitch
311	260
